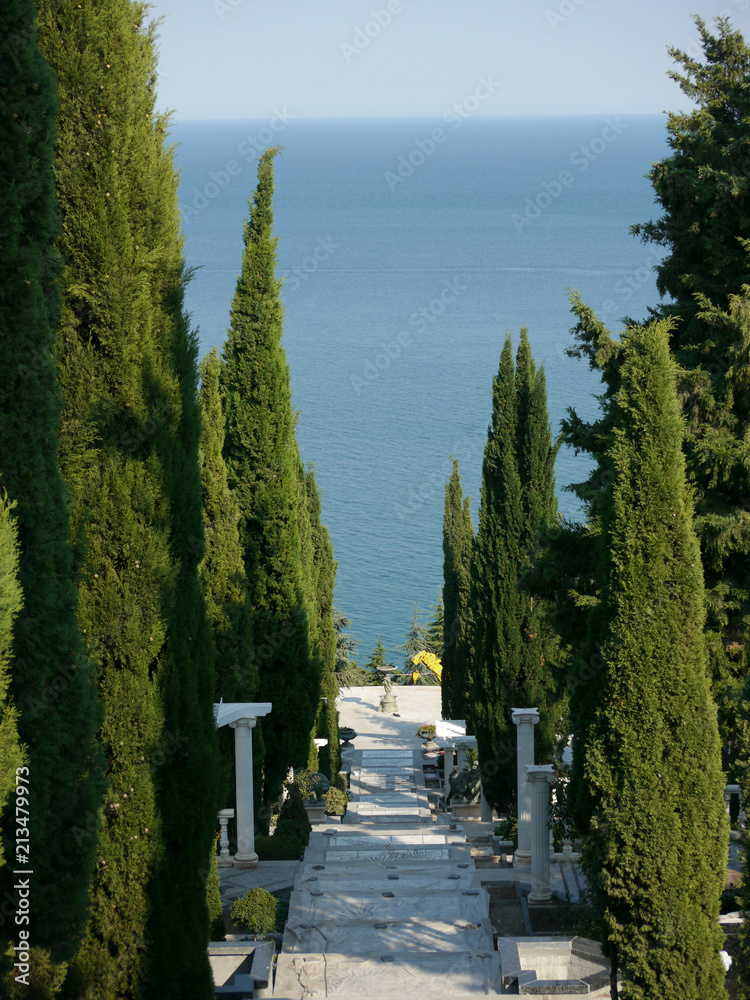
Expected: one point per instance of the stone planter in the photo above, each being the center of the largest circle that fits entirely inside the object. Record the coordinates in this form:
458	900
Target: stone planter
316	812
240	968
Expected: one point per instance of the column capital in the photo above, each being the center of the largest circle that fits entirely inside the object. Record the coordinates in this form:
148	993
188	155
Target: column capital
248	721
540	772
525	715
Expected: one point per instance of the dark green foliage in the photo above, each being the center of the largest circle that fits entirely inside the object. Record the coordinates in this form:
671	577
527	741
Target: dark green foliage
264	474
346	644
415	640
222	568
341	782
51	675
11	602
512	643
377	660
458	539
656	852
293	821
213	898
703	188
280	847
255	911
130	435
321	584
436	628
222	572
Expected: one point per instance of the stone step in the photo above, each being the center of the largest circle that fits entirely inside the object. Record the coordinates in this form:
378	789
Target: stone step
472	905
374	938
430	879
400	975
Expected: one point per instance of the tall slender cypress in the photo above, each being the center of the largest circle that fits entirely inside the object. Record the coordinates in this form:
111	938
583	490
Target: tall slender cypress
510	656
222	568
657	848
11	601
325	582
458	538
497	648
264	474
129	456
51	675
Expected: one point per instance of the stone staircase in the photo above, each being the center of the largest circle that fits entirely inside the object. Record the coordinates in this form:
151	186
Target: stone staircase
386	905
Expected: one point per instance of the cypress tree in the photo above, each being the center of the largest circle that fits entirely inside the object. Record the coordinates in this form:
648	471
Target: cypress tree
129	456
222	572
510	656
651	751
222	568
703	188
264	473
11	601
50	673
458	539
325	582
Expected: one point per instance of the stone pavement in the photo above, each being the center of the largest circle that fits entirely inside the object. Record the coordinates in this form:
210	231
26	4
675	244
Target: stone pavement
390	903
386	905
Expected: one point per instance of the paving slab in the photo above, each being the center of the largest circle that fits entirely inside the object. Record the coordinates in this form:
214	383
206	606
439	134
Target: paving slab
344	878
408	857
363	938
398	975
305	908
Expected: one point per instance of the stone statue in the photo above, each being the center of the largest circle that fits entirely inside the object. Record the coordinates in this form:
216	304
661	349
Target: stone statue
465	786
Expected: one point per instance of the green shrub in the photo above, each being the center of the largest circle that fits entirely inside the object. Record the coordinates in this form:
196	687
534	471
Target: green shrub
255	912
279	848
341	782
293	818
336	802
213	898
507	829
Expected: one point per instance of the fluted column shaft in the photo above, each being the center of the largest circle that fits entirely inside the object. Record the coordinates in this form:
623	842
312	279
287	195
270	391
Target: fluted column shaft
243	764
524	719
539	778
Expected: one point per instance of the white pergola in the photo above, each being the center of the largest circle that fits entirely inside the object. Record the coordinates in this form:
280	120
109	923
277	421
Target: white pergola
242	717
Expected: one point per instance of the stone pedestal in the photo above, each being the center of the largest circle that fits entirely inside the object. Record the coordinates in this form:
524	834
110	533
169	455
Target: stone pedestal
463	746
539	779
525	719
243	765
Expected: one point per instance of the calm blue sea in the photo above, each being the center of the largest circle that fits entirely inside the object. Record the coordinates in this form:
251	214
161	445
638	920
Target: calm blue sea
408	248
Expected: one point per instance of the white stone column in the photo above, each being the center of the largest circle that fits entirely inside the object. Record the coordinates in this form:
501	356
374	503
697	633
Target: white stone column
539	779
525	719
447	767
243	766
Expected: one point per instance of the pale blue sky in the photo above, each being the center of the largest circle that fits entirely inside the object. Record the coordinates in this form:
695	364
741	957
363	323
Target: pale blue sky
357	58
